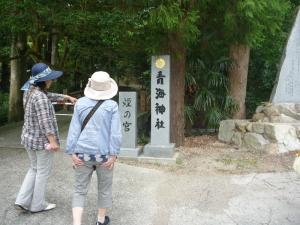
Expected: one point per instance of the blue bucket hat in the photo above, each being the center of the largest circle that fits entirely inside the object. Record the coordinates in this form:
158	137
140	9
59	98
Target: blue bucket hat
41	72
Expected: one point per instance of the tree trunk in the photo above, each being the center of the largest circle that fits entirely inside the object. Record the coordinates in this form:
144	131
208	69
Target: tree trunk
48	49
178	61
238	74
65	54
17	73
54	50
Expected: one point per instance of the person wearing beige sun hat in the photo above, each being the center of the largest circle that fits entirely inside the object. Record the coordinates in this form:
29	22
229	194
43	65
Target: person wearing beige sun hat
94	141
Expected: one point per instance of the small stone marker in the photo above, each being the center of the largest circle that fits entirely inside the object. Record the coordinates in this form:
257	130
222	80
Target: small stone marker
128	114
160	145
287	87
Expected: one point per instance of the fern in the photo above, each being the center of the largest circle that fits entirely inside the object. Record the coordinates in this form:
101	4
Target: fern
211	98
214	117
190	113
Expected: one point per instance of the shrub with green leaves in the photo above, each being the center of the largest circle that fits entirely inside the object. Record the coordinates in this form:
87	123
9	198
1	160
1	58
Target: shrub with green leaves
207	91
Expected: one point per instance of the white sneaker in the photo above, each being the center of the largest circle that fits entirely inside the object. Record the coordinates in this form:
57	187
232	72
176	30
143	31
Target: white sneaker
50	206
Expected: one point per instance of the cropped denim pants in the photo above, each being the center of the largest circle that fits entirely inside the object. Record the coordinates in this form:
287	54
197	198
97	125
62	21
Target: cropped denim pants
33	190
83	175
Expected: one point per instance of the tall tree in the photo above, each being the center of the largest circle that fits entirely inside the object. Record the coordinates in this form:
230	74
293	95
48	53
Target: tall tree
245	25
13	23
175	27
17	76
238	73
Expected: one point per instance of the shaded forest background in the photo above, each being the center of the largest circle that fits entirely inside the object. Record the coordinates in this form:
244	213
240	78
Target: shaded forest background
225	54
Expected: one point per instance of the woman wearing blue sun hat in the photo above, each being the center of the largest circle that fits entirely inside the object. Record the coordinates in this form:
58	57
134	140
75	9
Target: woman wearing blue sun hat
39	136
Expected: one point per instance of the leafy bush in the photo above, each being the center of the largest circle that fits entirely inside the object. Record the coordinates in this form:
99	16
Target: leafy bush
207	92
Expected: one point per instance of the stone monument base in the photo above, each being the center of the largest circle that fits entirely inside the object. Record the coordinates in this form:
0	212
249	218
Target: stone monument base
152	160
130	152
152	150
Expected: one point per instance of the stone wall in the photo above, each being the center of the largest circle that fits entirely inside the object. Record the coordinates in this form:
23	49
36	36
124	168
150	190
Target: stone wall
274	128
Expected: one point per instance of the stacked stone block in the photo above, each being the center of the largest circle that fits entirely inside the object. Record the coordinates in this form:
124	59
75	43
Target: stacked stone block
274	128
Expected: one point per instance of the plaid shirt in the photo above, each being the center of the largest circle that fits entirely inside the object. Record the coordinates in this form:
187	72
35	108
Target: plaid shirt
39	118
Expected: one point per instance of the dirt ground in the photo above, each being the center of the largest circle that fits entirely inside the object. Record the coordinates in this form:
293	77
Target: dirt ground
205	155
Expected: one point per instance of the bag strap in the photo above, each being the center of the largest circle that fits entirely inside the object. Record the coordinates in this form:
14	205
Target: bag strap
91	113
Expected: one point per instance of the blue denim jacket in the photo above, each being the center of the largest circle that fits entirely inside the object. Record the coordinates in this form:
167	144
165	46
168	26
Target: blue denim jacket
102	134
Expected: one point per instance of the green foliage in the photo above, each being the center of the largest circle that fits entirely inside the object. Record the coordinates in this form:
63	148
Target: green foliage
3	108
120	36
264	63
206	84
190	113
247	21
168	19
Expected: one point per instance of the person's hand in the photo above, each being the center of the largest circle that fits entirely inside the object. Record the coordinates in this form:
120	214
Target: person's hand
110	162
53	146
70	99
76	161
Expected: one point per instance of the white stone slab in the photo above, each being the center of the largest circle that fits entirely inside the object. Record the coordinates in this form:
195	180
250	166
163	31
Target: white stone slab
287	88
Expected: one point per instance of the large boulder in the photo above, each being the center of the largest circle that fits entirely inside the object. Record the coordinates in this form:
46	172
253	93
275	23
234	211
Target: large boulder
282	118
226	130
237	139
259	109
241	125
278	132
285	134
277	113
258	128
254	141
258	117
249	127
289	109
271	110
291	143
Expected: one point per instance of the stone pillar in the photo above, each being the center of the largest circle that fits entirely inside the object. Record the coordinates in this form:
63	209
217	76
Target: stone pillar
128	114
160	145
